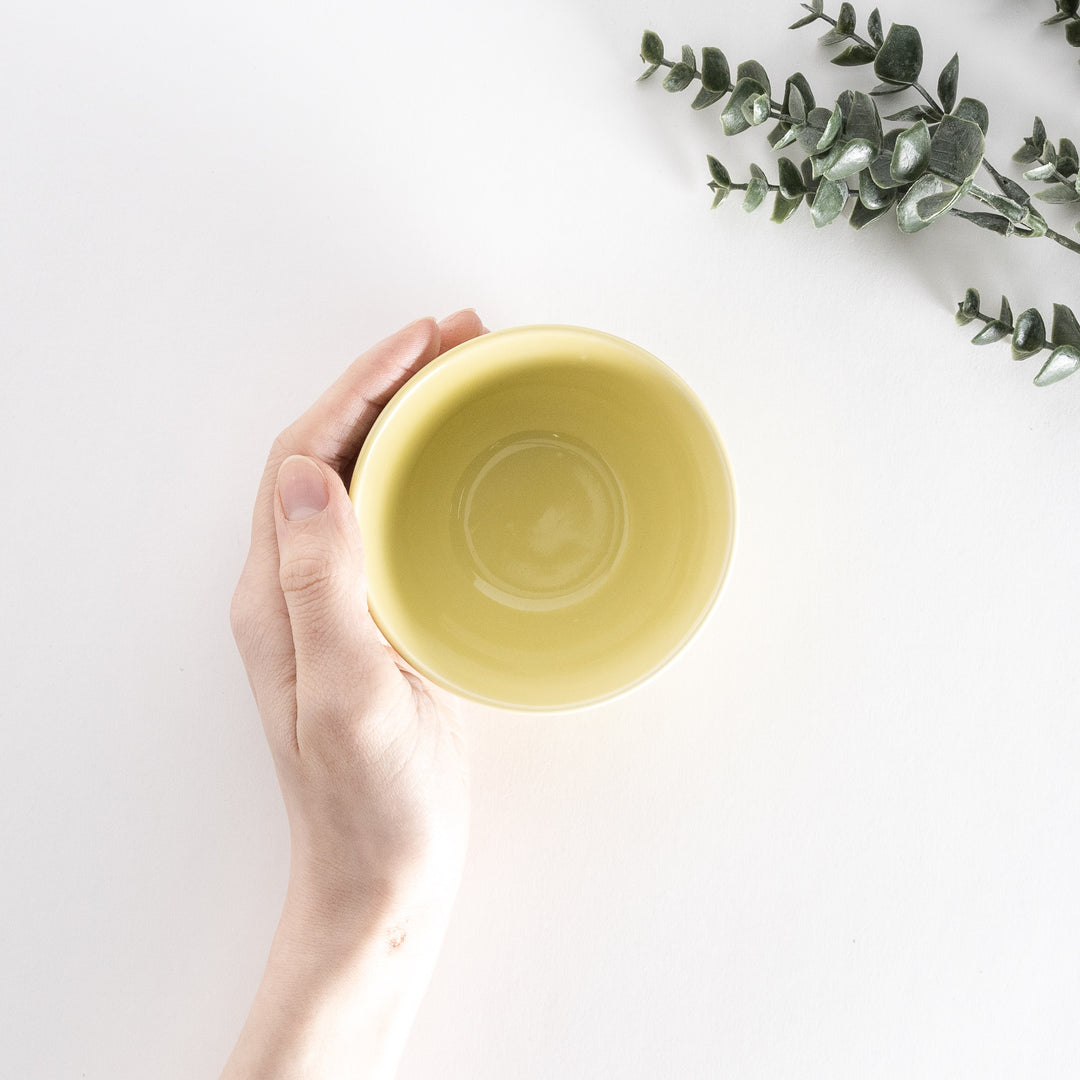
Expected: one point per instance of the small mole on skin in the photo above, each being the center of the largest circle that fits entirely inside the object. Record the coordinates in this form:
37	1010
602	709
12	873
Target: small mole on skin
397	937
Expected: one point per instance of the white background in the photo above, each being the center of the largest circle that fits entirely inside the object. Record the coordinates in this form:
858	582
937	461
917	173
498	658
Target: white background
837	838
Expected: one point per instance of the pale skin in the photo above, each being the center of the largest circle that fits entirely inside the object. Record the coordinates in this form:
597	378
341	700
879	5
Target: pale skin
370	757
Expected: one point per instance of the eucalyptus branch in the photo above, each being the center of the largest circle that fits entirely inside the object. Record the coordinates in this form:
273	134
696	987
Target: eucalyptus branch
1028	335
921	170
1068	12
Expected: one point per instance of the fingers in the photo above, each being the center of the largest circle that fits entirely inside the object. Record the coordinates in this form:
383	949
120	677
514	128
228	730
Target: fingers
331	431
343	669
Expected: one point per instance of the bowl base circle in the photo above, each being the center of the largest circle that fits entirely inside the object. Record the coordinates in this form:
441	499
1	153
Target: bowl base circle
540	521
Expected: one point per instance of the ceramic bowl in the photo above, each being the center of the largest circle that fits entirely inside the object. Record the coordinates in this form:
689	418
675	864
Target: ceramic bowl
548	515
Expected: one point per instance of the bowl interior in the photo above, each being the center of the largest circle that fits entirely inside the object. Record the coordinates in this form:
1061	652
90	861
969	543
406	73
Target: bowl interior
547	516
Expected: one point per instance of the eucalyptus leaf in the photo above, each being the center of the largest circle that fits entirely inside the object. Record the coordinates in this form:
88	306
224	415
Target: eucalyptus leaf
1063	362
956	149
757	110
948	81
863	121
871	195
1072	34
968	308
914	112
1040	172
855	56
832	37
861	215
715	73
811	132
791	180
873	27
996	223
652	48
782	135
900	58
688	58
829	201
784	207
1059	193
756	191
884	89
846	159
991	332
705	98
832	129
1029	334
974	110
845	19
795	103
751	69
928	186
1009	187
911	155
719	174
798	82
1005	314
732	117
678	78
1066	328
650	70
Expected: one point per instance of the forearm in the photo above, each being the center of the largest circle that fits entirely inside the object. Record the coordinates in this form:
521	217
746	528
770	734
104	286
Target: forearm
341	987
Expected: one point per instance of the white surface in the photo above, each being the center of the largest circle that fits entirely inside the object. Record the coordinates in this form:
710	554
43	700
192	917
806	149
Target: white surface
836	839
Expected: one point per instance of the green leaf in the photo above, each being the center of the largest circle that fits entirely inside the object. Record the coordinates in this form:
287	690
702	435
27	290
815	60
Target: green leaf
751	69
991	332
873	27
861	216
688	58
678	78
947	83
911	216
794	103
1068	158
798	83
650	70
974	110
914	112
956	149
846	159
968	308
828	202
900	58
732	117
1009	187
871	195
811	133
831	37
1064	360
705	98
757	110
719	174
1059	193
815	9
721	194
1005	314
862	120
652	48
791	181
911	155
855	56
1072	34
883	89
832	129
782	135
715	74
845	20
1029	334
1040	172
756	190
784	207
1066	329
994	222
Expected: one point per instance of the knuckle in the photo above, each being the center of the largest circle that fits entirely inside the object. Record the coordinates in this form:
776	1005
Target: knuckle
305	578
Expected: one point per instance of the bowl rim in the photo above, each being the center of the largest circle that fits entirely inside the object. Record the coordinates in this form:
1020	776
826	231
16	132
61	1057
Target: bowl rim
394	405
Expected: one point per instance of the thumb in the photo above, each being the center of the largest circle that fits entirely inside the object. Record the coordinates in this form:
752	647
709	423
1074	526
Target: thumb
337	645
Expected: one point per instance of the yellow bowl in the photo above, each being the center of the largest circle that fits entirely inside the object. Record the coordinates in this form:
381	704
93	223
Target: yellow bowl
548	516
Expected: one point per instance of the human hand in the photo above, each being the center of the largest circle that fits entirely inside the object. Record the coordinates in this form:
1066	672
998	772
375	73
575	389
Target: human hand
369	755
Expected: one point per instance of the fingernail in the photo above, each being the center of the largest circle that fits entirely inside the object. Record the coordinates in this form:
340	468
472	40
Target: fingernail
301	488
